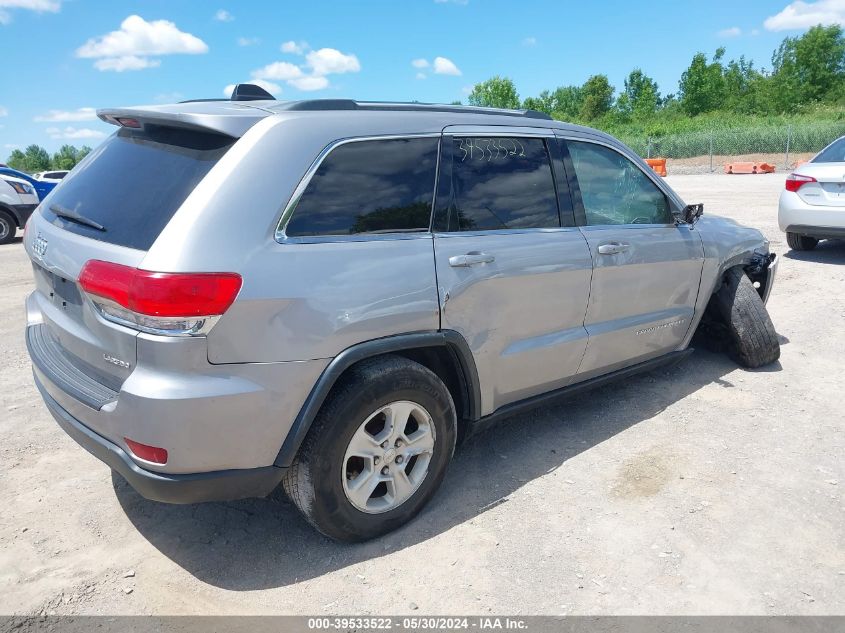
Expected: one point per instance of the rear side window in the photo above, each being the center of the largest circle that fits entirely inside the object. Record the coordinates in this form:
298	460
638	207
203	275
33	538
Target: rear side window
833	153
498	183
614	190
381	186
134	182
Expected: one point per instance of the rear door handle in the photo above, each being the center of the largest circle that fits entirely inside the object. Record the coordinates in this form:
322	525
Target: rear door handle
470	259
612	248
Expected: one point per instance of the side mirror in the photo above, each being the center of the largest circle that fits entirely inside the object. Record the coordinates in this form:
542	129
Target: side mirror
689	214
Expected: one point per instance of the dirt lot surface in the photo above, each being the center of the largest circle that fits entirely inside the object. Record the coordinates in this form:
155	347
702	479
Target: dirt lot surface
700	489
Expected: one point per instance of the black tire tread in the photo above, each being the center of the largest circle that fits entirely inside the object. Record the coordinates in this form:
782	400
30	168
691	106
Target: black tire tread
13	226
297	477
753	339
798	242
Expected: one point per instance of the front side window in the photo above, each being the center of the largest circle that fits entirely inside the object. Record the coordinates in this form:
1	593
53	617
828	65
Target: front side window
379	186
614	190
498	183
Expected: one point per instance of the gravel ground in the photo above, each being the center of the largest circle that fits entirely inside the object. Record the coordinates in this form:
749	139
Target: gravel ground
700	489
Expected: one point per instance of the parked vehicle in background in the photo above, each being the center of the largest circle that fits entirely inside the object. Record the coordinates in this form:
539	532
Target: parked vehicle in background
336	321
42	187
51	176
17	202
812	205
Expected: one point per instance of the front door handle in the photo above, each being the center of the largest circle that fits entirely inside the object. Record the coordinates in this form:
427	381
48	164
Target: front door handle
470	259
612	248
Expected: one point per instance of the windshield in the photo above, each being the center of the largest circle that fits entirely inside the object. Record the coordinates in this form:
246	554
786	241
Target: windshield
833	153
134	182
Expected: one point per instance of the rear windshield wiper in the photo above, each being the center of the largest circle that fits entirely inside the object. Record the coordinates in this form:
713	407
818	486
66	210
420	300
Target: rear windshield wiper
75	217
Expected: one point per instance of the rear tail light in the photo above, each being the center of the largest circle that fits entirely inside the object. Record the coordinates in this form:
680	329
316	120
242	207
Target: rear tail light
148	453
161	303
795	181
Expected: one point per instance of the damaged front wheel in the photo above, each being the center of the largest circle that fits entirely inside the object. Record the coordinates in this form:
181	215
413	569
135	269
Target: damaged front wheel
751	337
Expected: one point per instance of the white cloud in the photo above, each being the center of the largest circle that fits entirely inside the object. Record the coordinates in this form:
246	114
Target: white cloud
32	5
3	111
309	83
803	15
281	71
421	75
309	76
443	66
755	31
248	41
132	46
11	146
529	41
39	6
733	31
127	62
223	16
269	86
297	48
74	133
420	63
80	114
329	61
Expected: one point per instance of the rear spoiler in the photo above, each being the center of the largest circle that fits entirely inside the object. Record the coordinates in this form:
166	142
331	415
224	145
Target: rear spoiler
230	119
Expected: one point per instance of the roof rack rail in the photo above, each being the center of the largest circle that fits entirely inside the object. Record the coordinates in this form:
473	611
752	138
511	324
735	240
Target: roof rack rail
252	92
351	104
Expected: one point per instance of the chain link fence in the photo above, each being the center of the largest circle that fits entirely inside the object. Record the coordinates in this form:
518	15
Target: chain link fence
708	150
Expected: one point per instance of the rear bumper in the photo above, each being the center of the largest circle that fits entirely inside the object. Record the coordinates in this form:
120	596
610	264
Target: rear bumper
223	485
796	216
22	212
209	418
819	232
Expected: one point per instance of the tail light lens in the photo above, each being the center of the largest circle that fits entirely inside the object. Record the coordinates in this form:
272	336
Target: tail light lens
161	303
795	181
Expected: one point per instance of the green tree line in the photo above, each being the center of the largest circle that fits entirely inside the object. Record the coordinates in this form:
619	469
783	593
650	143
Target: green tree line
35	158
807	75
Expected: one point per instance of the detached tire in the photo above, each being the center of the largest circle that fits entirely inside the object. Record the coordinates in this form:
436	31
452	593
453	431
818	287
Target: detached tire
799	242
8	228
752	340
377	450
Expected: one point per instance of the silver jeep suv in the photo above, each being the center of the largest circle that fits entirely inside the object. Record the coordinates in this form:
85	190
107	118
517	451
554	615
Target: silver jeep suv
330	294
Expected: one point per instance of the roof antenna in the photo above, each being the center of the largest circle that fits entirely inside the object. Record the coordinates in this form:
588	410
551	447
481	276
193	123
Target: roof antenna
250	92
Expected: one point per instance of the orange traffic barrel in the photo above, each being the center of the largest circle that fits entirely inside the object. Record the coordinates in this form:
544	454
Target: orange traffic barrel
658	165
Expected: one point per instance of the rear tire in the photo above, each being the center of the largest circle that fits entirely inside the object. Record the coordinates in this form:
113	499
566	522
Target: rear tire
798	242
360	412
752	340
8	228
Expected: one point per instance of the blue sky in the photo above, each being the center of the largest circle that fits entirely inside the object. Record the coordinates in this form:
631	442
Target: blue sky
64	58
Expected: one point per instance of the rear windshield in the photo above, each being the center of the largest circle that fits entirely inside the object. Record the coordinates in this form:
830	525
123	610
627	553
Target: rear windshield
134	182
833	153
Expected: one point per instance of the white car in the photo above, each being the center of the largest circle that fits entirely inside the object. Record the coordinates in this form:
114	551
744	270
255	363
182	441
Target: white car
18	200
812	206
51	176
